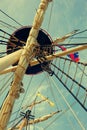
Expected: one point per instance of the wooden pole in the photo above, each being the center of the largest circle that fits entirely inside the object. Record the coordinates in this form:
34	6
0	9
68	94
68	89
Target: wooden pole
10	59
23	124
63	53
35	121
26	56
50	57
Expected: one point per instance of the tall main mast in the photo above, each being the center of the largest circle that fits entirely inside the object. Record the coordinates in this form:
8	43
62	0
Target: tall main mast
26	56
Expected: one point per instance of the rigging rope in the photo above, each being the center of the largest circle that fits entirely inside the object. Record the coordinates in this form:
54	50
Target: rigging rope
13	46
15	39
66	59
22	100
51	89
61	114
4	87
85	30
33	94
7	24
79	122
70	89
49	22
10	17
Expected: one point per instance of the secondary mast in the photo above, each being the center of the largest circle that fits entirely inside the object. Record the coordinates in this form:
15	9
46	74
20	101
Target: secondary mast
27	54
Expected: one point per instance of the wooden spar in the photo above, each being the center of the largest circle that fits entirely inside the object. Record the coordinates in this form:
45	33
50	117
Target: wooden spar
41	119
33	104
50	57
25	107
62	39
31	122
27	54
8	70
10	59
22	124
25	121
14	57
68	51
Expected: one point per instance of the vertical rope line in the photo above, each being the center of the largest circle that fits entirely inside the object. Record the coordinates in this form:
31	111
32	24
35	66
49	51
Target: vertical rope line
85	98
27	89
63	69
81	69
4	87
1	42
38	87
51	89
80	81
34	112
79	122
23	99
61	114
82	74
68	73
70	122
74	76
50	16
58	65
70	77
55	62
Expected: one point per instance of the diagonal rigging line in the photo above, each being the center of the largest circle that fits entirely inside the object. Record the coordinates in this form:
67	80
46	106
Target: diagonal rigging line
4	87
69	76
10	17
1	30
79	32
78	37
51	90
81	63
4	37
70	44
85	64
16	112
14	120
75	97
63	112
23	98
17	123
7	24
15	38
49	21
71	93
32	95
39	86
79	122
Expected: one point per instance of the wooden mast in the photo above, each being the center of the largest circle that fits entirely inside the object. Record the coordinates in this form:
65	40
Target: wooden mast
26	56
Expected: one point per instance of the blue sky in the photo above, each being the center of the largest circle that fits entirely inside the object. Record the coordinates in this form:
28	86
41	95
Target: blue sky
62	17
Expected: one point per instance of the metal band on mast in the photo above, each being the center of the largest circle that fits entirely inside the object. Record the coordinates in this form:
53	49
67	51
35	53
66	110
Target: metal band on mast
26	56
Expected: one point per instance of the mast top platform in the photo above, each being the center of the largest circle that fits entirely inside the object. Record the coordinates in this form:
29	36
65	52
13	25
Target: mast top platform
18	40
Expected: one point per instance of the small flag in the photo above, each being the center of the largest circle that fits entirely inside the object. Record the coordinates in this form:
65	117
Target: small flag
73	56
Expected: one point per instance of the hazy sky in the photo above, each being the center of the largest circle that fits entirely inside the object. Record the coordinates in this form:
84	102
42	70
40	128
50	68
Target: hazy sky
62	17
